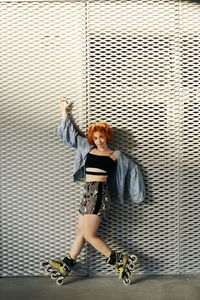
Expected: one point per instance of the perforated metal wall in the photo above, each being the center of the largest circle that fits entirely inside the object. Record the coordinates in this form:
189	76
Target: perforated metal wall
133	64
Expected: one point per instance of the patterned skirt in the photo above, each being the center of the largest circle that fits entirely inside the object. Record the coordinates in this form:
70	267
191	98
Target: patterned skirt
96	198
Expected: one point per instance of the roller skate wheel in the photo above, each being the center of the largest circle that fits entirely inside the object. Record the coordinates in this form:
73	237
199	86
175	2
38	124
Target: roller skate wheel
43	264
127	281
59	281
132	266
133	258
54	275
49	269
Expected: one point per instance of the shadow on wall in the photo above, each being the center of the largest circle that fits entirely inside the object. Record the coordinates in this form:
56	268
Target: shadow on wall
124	236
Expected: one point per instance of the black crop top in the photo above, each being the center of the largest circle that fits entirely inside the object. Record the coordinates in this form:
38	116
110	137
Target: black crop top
103	162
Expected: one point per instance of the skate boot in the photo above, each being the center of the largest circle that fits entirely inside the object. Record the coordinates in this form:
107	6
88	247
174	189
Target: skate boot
118	261
63	266
58	269
124	264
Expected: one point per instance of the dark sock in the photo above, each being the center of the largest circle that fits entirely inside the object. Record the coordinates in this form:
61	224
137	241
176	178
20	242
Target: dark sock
70	262
112	258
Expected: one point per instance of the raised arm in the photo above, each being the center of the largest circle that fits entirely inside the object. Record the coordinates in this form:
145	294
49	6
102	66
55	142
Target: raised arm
66	130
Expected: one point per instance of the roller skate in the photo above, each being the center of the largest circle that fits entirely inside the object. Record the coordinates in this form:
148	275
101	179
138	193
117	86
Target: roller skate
124	264
58	269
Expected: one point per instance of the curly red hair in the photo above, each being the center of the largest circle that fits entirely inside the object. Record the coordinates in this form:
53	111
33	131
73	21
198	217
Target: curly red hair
103	127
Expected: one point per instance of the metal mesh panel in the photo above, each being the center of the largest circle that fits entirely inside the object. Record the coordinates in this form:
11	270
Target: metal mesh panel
189	136
132	64
134	75
42	60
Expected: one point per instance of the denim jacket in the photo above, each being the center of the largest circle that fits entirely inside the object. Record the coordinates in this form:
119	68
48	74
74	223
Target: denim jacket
126	172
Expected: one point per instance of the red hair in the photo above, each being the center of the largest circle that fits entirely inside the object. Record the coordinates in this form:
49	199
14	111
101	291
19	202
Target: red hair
105	129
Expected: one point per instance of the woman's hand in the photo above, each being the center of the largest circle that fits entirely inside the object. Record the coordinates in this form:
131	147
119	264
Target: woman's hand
64	105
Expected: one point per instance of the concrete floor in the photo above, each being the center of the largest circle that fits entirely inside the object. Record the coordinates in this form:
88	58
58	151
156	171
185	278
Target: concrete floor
183	287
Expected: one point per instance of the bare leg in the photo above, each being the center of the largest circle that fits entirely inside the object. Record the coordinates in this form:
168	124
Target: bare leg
77	245
79	239
100	245
91	224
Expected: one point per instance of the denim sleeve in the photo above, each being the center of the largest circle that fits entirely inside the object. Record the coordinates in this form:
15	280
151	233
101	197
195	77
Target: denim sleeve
135	184
69	135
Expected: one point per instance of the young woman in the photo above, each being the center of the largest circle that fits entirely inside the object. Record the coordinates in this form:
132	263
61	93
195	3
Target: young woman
96	161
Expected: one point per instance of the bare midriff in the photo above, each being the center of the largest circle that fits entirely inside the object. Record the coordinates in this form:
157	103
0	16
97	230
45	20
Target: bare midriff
90	177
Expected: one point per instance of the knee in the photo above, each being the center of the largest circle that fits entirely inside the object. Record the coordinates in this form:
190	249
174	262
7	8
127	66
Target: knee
88	237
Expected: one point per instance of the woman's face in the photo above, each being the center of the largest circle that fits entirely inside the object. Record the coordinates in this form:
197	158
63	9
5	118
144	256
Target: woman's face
99	139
